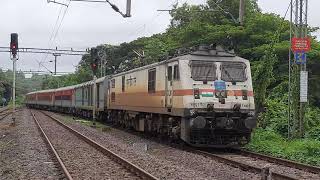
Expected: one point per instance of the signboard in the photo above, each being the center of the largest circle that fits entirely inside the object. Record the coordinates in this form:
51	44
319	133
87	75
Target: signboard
300	57
220	85
301	44
304	86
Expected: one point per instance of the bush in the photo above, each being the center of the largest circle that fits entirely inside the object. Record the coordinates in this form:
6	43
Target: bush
271	143
314	133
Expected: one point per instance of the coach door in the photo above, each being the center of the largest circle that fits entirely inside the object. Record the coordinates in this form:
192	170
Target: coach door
170	84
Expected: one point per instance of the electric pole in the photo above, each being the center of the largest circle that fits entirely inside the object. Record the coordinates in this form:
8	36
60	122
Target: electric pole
241	12
94	66
55	62
298	74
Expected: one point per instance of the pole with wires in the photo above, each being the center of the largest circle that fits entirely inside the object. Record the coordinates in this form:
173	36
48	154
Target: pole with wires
241	12
298	74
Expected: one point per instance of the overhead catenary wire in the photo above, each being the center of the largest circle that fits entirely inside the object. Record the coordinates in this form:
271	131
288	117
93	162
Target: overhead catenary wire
55	33
152	19
52	33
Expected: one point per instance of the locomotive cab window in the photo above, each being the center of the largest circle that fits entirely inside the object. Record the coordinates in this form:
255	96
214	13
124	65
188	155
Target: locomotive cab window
113	83
176	73
203	71
152	81
233	71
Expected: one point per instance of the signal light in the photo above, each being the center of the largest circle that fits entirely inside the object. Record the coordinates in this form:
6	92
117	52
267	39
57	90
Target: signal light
14	44
94	60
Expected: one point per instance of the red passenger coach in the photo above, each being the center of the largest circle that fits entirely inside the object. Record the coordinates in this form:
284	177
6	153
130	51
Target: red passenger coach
64	99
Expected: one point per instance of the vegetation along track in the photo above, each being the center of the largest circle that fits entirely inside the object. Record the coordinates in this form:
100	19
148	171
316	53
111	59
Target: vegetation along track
275	168
81	157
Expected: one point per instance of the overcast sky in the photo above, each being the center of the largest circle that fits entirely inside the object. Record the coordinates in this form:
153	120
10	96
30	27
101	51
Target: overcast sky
90	24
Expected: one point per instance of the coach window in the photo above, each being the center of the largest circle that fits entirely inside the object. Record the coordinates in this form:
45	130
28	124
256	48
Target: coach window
113	83
176	75
170	73
82	96
123	83
152	81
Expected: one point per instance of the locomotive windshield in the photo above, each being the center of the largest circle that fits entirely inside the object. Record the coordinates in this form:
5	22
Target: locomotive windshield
203	71
233	72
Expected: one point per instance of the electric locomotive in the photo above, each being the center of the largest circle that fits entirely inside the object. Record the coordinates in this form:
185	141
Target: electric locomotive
203	97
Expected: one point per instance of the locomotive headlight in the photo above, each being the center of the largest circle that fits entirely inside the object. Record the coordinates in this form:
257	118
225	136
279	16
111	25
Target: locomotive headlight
199	122
193	112
223	94
218	94
251	113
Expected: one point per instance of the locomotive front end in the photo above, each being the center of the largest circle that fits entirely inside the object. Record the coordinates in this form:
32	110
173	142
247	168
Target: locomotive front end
221	111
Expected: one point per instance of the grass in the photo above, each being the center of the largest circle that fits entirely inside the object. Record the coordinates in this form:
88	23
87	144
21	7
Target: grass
301	150
100	126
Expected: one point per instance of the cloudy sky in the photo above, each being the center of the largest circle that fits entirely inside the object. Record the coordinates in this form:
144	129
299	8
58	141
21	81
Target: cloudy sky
89	24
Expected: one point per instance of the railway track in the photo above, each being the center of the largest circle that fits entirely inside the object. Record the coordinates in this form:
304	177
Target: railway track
84	151
267	166
3	109
6	112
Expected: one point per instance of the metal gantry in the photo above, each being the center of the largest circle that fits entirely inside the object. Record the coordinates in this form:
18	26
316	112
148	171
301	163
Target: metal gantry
297	72
55	52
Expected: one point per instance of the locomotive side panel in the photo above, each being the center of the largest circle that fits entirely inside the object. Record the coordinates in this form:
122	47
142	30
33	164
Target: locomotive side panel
141	90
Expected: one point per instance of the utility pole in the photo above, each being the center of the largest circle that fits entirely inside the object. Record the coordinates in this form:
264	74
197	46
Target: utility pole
94	65
102	56
55	62
241	12
14	51
298	75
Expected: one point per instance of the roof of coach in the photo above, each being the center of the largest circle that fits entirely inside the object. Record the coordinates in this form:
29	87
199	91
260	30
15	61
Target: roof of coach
69	87
42	91
91	82
66	88
211	55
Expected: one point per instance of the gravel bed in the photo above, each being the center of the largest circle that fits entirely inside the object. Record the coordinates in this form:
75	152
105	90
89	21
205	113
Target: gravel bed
23	153
275	167
82	160
160	160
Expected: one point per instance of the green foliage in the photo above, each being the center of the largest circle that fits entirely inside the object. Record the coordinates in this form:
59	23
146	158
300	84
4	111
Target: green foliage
275	117
302	150
314	133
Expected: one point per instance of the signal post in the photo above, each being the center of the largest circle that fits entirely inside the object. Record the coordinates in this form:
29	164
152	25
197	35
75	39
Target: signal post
14	57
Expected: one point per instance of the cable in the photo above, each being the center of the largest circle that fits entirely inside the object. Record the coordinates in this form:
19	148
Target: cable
154	17
64	14
52	34
52	39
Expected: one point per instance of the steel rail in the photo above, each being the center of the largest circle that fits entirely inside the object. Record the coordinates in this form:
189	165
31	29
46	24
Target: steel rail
244	166
5	115
47	140
4	109
288	163
128	165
